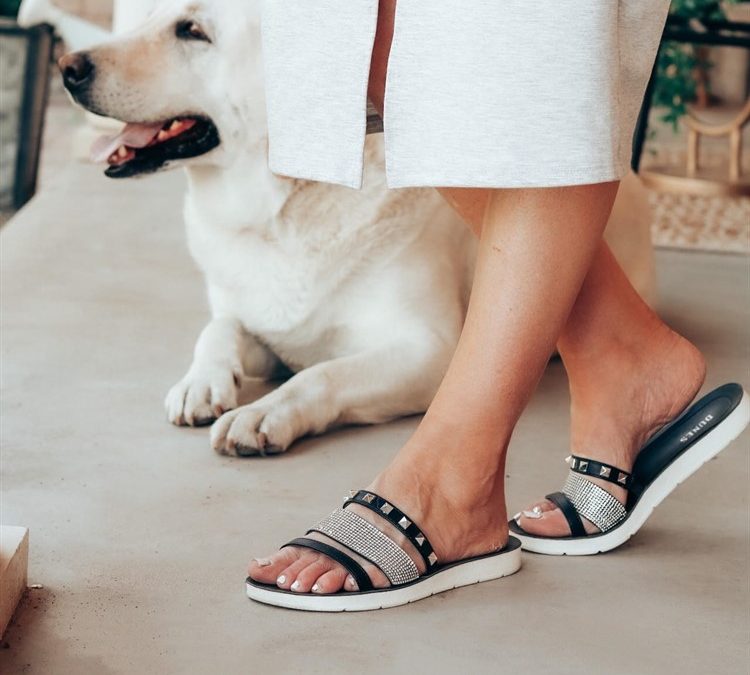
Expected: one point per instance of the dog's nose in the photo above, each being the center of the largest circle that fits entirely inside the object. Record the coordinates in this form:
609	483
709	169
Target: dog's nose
77	70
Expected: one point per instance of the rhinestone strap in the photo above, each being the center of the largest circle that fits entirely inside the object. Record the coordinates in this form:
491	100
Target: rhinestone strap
594	503
354	532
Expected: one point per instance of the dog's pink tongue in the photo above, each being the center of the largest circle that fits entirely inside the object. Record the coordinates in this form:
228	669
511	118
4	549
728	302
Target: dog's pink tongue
132	136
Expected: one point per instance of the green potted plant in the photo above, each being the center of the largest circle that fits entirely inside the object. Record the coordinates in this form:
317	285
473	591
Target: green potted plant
9	8
682	69
26	55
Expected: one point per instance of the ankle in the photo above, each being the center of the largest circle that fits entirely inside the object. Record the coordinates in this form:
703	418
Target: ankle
589	354
619	402
441	486
461	517
651	350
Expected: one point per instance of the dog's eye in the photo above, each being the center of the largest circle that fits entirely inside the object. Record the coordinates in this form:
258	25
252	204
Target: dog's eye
190	30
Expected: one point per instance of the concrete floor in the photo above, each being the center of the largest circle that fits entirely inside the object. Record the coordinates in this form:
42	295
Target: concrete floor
140	534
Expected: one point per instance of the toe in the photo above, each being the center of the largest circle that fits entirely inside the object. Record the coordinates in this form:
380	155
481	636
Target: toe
288	576
544	505
267	570
350	584
536	509
309	576
547	523
330	582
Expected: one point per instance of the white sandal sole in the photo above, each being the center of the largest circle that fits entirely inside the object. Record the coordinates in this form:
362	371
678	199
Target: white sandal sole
474	571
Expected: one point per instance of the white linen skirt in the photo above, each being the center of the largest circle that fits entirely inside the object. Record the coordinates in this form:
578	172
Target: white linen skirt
486	93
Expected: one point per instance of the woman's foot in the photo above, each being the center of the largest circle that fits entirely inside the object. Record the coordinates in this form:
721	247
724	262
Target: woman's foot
617	403
459	521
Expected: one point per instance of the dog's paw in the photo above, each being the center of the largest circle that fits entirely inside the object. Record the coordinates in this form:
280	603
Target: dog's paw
257	429
202	397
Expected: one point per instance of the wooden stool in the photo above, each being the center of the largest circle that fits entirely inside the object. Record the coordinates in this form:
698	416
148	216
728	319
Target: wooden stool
692	179
706	181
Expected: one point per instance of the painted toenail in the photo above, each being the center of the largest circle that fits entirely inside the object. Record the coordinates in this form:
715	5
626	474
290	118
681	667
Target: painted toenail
296	586
350	581
315	588
281	579
534	515
262	562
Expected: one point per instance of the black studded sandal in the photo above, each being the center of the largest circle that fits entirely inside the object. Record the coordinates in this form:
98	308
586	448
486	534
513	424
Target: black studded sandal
364	539
671	456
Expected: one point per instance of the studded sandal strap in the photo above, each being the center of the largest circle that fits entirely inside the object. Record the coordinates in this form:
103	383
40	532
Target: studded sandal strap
569	511
594	503
350	564
362	537
398	519
595	469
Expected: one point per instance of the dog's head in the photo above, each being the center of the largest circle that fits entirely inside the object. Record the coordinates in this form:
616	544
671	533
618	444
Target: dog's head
186	82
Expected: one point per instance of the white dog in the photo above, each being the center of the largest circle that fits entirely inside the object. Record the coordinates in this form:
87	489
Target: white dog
361	295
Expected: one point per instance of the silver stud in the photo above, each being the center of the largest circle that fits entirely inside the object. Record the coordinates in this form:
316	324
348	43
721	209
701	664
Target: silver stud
583	466
605	471
623	477
432	558
404	522
386	508
368	498
420	540
569	459
352	494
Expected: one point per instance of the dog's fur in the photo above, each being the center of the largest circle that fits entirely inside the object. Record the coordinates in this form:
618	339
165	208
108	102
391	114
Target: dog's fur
361	295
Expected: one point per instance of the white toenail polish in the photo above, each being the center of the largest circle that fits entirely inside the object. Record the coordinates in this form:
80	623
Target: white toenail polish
537	509
281	579
295	586
316	588
532	514
350	581
262	562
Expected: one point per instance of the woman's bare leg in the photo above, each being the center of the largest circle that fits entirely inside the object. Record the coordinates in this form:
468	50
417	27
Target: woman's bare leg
611	331
629	373
536	249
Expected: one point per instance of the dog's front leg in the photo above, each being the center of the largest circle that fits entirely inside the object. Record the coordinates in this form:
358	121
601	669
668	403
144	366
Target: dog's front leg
223	354
365	388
